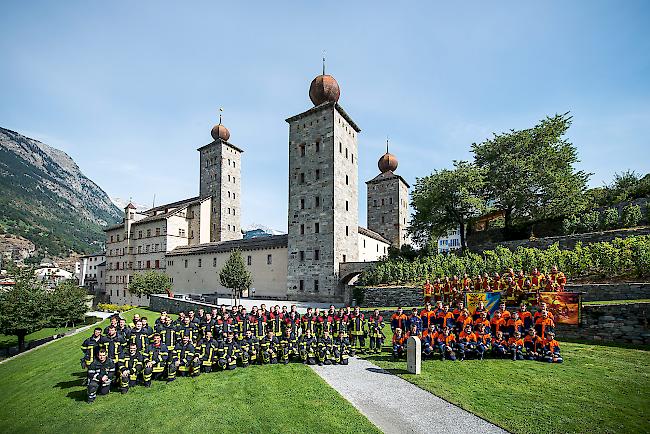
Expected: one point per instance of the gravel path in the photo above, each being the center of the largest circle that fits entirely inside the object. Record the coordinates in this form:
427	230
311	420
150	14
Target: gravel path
396	406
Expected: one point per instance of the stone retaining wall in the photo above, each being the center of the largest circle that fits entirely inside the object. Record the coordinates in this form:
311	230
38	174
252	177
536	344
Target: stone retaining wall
564	241
620	323
413	296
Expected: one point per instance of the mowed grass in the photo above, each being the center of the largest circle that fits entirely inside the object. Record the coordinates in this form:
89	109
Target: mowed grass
11	341
598	389
42	392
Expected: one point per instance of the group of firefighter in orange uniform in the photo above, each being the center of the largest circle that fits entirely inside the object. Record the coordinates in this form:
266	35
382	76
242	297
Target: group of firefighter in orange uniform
449	330
515	287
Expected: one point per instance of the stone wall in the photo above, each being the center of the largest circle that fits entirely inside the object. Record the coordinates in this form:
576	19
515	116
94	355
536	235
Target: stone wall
564	241
158	303
413	296
612	291
620	323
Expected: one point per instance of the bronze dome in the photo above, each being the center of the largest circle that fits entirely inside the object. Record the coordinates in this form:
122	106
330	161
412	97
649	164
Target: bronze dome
324	88
220	132
387	162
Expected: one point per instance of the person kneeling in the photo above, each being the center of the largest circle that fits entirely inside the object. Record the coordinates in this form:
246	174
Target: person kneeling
228	352
186	358
341	349
101	373
552	349
269	347
130	366
515	346
399	344
308	345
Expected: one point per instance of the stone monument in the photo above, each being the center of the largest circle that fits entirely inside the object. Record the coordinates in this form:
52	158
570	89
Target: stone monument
414	355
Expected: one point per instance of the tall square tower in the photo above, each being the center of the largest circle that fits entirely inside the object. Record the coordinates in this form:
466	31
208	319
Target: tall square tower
388	202
323	215
220	178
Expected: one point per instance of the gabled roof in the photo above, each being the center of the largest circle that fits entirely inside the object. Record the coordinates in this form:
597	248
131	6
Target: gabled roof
325	106
236	148
386	176
170	205
228	246
184	205
372	234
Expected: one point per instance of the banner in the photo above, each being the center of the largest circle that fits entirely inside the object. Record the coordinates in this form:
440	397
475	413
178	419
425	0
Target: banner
565	306
489	299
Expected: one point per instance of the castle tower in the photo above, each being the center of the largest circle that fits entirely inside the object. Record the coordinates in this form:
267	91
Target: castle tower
388	201
220	179
323	193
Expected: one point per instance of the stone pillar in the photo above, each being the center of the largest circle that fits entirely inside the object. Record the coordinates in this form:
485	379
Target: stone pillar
414	355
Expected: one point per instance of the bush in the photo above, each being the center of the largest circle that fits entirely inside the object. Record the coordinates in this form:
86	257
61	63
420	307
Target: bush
570	224
108	307
631	215
610	218
590	221
629	257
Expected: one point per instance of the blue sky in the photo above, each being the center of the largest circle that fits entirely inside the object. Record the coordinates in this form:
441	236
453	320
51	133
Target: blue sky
130	90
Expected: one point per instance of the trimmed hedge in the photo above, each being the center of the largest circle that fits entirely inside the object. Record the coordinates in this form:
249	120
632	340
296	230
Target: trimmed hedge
107	307
628	257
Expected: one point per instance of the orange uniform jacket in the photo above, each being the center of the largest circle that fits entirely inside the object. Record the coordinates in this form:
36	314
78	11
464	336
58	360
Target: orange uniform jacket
497	324
467	336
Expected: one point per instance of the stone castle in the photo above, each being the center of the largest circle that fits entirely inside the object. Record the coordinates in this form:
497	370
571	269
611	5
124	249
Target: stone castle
190	240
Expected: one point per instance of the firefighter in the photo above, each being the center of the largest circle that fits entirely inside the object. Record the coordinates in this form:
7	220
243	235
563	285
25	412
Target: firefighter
446	342
499	345
228	352
428	291
288	346
398	320
130	367
292	322
429	341
341	321
113	322
208	349
189	329
158	362
466	343
186	358
269	348
168	332
249	348
534	346
526	317
207	325
123	330
307	346
101	374
325	350
483	341
260	325
552	349
308	322
544	324
516	346
146	327
139	336
275	321
414	318
399	344
376	331
242	324
341	349
91	346
114	344
357	329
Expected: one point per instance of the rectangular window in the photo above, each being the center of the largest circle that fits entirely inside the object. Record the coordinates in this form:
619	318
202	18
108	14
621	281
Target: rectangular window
317	146
316	255
139	265
302	150
315	285
364	244
340	147
302	285
352	158
148	233
186	263
346	180
200	261
250	260
317	173
316	228
111	238
302	178
302	229
344	258
157	263
301	255
302	203
347	206
317	201
269	259
374	202
346	152
214	262
146	248
139	234
347	231
148	264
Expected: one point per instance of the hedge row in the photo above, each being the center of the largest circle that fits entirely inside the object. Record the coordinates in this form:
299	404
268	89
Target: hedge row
629	257
107	307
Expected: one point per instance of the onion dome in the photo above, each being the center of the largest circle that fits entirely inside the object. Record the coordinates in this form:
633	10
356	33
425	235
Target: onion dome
387	162
324	88
219	132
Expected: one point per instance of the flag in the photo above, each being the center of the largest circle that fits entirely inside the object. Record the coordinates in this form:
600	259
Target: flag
489	299
565	306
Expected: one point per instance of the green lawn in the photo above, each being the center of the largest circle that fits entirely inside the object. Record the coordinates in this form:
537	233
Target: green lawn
11	341
595	303
598	389
42	392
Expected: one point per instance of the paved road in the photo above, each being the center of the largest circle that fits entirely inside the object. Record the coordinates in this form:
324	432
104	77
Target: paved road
373	392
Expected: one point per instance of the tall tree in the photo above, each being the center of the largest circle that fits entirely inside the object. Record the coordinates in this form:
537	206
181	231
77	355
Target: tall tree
235	276
67	304
149	282
530	173
446	200
24	307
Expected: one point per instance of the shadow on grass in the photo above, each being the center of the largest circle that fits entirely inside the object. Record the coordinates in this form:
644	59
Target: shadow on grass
78	395
77	382
388	371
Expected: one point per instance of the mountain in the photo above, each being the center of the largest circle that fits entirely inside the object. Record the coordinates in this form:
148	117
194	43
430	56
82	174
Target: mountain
46	199
122	203
255	227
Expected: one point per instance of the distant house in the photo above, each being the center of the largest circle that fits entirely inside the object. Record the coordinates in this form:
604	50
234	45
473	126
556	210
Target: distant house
449	242
51	276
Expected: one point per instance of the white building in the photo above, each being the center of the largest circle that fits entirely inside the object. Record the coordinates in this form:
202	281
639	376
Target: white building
51	275
449	242
190	240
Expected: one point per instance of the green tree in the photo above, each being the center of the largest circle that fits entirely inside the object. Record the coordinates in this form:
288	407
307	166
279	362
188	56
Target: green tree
529	173
631	215
610	218
235	276
149	282
446	200
24	307
67	304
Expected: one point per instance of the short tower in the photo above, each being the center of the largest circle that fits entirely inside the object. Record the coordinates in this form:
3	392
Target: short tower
220	170
388	202
323	217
